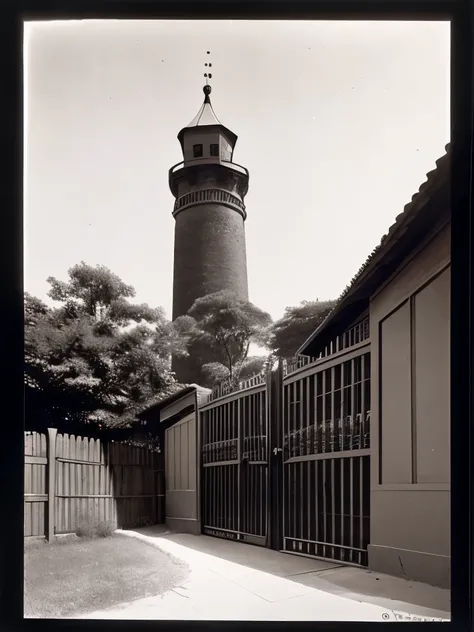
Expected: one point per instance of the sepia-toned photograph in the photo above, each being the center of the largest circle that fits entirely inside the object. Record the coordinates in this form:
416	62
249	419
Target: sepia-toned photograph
237	247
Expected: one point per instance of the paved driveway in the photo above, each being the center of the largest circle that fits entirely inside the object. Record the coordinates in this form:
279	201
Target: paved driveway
233	581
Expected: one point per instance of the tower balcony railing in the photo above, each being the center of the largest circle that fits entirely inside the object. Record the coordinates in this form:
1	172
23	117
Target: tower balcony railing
225	163
209	195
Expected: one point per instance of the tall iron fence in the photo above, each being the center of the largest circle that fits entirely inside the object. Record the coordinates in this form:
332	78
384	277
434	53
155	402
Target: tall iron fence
286	459
326	458
355	335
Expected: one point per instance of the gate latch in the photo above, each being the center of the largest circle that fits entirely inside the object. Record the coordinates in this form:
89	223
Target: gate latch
277	450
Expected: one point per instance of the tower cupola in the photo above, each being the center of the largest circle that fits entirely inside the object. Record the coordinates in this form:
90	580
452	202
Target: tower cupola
205	139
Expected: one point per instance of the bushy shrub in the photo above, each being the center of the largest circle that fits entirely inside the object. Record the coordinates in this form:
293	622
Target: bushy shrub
105	529
85	530
88	527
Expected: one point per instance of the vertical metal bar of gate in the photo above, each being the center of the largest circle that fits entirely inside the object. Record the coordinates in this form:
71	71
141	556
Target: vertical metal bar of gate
218	469
309	464
341	509
340	414
225	469
284	445
323	451
294	501
351	460
333	474
211	506
263	469
362	404
251	482
361	504
333	506
239	464
269	411
299	498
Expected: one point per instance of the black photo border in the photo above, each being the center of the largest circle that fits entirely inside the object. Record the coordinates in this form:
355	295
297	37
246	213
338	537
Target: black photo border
12	15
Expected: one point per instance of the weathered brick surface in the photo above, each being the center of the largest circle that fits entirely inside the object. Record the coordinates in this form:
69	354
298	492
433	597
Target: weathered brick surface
209	255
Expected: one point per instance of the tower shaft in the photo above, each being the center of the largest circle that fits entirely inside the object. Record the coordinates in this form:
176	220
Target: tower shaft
209	247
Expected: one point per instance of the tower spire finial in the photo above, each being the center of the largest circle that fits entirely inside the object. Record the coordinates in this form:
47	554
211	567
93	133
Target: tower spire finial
207	88
207	91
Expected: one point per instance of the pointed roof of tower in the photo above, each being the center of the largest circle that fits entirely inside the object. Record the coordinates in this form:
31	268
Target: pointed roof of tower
206	117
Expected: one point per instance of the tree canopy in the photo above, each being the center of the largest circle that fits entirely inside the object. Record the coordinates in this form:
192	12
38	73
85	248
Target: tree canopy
220	327
214	372
288	333
96	357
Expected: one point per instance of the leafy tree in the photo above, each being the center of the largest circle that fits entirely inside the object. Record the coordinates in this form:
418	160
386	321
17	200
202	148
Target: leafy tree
100	294
253	365
288	333
96	358
214	372
220	328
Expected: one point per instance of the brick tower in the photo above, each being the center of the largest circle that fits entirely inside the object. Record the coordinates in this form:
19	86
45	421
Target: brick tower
209	243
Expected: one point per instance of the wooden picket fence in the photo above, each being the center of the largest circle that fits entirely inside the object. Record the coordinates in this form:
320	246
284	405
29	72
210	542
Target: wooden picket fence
70	481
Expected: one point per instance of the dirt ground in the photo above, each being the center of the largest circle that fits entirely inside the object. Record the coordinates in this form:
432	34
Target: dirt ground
72	577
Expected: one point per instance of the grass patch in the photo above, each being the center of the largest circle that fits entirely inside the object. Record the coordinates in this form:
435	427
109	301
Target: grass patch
76	577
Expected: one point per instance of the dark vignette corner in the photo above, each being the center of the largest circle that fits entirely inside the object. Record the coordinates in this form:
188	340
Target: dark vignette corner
461	316
11	460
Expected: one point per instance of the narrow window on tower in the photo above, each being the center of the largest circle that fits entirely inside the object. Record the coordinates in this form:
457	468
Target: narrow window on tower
214	150
197	151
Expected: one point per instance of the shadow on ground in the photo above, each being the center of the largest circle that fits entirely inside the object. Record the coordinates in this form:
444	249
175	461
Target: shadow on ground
351	582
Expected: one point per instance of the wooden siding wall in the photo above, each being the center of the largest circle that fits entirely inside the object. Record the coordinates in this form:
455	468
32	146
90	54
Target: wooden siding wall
93	482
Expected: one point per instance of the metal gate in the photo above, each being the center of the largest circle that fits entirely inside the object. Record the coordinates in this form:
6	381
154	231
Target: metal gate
313	427
326	459
234	432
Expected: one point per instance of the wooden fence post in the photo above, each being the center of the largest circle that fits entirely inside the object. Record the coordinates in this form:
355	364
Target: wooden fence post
52	432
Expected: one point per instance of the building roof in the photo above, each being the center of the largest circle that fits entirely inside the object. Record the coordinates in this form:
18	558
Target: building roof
200	391
353	295
206	117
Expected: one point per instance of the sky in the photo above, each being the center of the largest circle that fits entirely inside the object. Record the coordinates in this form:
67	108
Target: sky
338	123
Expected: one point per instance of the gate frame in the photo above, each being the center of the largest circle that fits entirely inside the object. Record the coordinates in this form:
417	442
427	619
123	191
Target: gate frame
325	362
250	387
274	411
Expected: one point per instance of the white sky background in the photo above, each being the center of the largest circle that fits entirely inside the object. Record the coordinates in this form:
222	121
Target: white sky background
338	124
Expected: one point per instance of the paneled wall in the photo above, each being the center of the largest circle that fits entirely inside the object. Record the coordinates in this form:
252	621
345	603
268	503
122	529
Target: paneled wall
182	511
410	478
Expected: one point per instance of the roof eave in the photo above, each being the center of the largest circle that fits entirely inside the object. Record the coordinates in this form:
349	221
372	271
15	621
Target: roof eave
208	128
167	401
